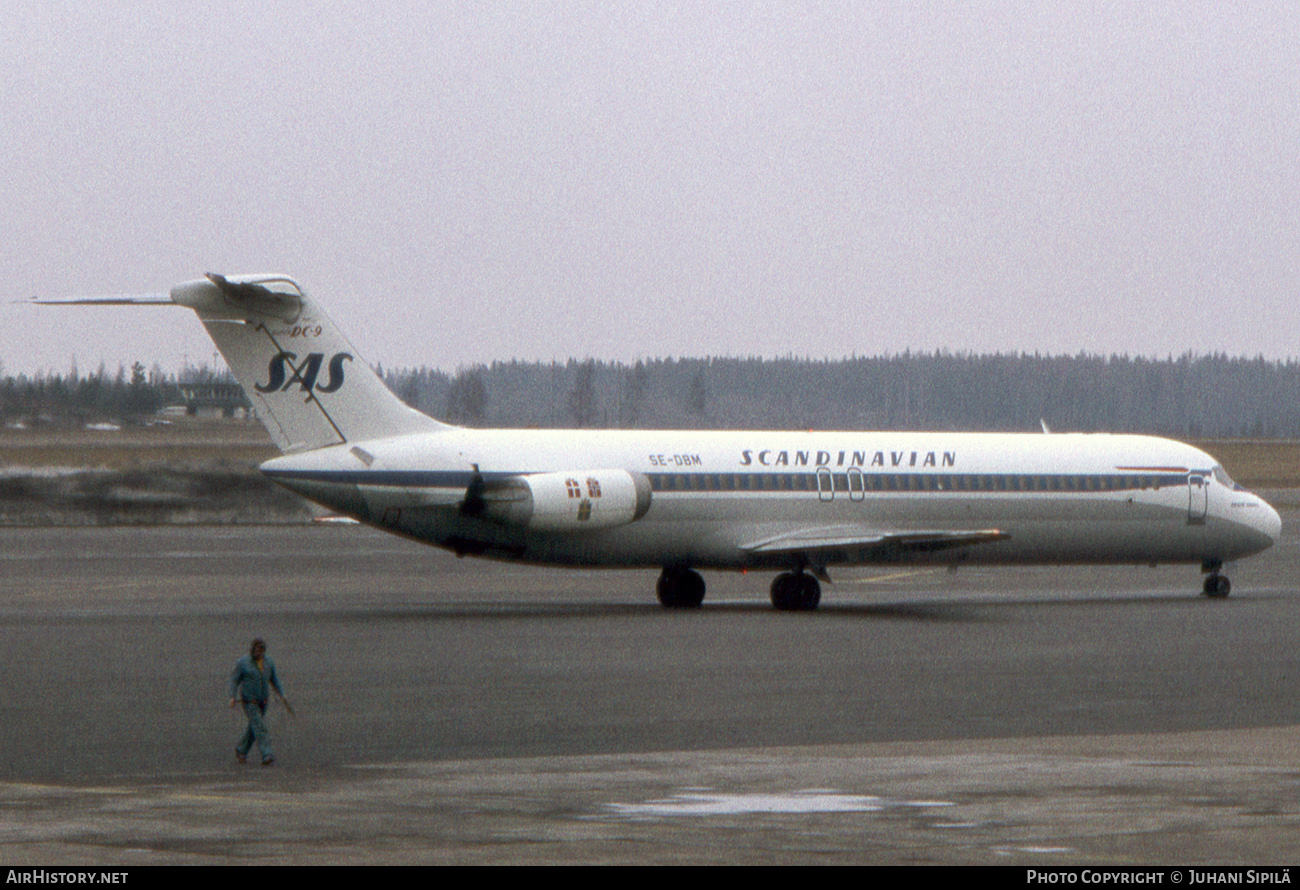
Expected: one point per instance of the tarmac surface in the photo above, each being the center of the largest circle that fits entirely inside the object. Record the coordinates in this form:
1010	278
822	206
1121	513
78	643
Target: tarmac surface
460	711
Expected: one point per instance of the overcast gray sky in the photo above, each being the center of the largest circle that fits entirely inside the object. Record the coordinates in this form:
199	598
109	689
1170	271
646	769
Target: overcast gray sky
458	183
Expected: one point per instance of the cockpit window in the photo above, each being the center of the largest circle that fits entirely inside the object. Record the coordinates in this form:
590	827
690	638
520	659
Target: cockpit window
1222	477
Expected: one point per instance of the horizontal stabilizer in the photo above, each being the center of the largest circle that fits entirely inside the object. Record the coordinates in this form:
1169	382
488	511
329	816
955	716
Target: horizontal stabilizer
114	300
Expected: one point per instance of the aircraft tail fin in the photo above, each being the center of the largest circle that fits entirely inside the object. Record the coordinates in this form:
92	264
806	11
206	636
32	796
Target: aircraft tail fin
306	381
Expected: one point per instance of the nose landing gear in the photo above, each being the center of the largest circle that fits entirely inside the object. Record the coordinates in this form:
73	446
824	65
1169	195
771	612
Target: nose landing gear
1216	586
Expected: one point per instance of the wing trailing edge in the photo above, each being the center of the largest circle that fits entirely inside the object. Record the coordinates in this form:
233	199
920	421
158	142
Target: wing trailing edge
818	540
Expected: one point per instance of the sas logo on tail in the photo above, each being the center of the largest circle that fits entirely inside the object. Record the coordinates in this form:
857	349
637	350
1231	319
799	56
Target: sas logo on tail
304	374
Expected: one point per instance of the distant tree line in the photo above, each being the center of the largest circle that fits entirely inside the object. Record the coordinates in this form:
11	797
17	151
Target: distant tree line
1188	396
127	395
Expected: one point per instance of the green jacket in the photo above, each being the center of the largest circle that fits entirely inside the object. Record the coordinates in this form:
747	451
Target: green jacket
250	683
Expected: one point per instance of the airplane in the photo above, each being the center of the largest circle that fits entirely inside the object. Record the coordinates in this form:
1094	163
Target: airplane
796	503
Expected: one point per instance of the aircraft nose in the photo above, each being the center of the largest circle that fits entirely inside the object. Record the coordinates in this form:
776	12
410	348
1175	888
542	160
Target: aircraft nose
1261	526
1270	524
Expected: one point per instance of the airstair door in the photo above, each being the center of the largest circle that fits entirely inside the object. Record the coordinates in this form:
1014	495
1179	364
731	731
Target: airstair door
1198	499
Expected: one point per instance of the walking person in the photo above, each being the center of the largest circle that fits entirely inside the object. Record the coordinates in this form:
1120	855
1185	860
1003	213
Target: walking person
250	684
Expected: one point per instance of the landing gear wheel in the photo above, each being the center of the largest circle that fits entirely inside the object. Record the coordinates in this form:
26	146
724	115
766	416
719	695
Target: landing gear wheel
795	592
1216	586
680	589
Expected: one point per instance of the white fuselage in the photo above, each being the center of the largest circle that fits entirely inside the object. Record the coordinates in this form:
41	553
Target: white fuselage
683	500
715	497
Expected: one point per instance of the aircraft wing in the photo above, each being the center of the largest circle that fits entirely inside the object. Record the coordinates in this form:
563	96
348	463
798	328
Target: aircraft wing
857	538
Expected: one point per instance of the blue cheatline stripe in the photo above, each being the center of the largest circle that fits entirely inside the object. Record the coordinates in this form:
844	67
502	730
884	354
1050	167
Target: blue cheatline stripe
824	481
390	478
962	483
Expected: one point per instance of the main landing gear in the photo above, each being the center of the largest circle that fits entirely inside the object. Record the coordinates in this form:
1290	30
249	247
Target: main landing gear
680	589
796	592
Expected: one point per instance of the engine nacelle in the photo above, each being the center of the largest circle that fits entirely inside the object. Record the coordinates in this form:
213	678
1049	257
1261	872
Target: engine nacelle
572	500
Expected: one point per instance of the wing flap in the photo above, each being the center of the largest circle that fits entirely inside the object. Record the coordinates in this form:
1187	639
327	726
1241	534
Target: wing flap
812	540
